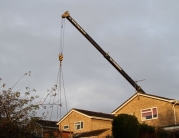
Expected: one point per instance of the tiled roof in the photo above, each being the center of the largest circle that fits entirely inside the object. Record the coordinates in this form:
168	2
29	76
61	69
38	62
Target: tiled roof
46	123
159	96
95	114
90	133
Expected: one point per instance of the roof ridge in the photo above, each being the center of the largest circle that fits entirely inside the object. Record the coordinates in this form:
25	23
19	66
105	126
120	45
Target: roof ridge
158	96
91	111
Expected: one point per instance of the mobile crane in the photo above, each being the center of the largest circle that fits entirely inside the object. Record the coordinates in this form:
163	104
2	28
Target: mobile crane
106	55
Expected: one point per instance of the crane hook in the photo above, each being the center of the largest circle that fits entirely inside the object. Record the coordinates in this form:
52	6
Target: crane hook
60	58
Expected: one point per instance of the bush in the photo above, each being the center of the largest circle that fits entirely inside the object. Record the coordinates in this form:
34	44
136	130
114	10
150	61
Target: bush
125	126
146	131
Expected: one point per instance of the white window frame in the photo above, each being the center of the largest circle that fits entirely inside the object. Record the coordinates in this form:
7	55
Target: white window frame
80	125
151	110
65	126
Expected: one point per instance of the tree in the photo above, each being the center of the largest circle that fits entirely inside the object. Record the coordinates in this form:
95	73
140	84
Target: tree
125	126
17	112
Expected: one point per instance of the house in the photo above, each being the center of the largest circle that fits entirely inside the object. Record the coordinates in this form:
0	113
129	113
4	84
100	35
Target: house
151	109
88	124
46	129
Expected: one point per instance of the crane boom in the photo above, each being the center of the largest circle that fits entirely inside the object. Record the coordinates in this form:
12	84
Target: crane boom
106	55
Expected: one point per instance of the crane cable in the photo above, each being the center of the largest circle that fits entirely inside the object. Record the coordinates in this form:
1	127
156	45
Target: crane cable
60	79
60	67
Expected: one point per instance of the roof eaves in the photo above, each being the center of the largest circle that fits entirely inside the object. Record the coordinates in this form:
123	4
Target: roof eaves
101	118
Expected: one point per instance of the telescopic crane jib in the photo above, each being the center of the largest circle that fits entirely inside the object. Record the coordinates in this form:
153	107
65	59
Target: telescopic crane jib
106	55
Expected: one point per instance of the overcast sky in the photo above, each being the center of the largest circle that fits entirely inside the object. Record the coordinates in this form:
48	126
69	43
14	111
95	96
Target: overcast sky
141	36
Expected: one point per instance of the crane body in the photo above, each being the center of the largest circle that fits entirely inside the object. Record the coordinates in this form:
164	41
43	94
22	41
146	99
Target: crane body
106	55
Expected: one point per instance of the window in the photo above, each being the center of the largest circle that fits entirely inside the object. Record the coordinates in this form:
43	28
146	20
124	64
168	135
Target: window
148	114
78	125
65	127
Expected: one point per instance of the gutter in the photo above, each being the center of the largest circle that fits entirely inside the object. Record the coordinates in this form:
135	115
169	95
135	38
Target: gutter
101	118
171	127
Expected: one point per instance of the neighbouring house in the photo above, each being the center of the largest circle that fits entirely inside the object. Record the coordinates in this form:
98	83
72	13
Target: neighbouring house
151	109
88	124
46	129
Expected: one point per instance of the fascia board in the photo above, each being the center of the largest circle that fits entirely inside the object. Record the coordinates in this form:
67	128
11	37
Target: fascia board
100	118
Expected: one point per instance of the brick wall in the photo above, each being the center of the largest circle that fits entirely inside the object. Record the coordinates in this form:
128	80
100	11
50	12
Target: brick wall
100	124
165	110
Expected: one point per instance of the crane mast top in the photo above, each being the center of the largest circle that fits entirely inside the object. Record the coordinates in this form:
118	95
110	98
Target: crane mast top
106	55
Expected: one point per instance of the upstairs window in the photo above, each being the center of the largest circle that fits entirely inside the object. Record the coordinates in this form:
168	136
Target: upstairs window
78	125
148	114
65	127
